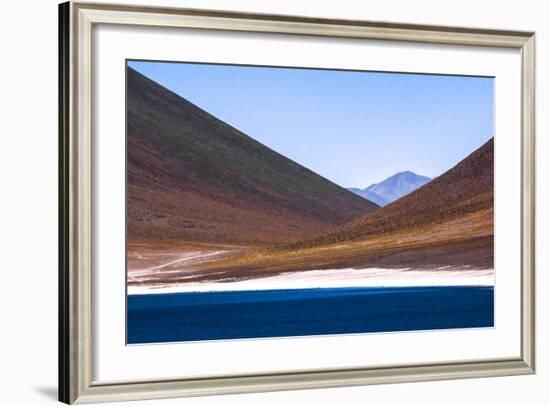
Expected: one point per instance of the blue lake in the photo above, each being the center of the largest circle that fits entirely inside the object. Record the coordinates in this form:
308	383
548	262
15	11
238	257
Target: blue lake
299	312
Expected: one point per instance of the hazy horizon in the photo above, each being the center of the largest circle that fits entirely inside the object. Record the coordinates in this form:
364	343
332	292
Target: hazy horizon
429	122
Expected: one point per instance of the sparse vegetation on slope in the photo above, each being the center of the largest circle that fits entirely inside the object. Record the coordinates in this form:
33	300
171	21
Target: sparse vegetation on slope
192	177
447	223
464	189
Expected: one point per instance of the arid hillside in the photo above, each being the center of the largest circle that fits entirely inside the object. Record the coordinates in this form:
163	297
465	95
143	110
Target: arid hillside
193	178
464	190
445	225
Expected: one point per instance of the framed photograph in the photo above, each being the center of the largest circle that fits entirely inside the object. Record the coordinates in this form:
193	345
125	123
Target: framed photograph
264	202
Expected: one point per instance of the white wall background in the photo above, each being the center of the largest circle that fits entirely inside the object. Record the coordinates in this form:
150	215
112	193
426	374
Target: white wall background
28	175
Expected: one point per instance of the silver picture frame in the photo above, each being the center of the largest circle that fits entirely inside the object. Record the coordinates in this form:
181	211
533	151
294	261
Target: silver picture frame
76	383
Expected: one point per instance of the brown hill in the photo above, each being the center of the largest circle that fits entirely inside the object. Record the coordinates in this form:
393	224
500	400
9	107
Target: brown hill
446	223
465	189
192	177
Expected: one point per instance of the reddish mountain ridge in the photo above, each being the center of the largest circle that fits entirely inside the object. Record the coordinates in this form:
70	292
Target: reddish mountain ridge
445	225
465	189
192	177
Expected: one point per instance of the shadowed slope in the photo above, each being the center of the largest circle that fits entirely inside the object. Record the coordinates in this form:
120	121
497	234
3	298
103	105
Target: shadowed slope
465	189
446	223
192	177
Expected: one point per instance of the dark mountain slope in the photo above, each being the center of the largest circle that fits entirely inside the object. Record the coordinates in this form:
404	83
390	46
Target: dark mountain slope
465	189
192	177
446	223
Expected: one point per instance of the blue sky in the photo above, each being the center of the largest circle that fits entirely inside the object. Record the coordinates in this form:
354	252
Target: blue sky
354	128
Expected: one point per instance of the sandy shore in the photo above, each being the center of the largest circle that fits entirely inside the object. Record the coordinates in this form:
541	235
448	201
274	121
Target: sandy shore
336	278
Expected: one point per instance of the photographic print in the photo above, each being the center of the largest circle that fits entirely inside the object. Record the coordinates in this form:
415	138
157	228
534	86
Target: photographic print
283	202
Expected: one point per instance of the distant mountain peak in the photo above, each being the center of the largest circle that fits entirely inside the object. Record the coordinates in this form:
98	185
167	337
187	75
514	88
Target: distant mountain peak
405	173
392	188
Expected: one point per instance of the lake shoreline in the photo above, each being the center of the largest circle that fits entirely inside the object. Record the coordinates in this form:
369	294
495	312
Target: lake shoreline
332	278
